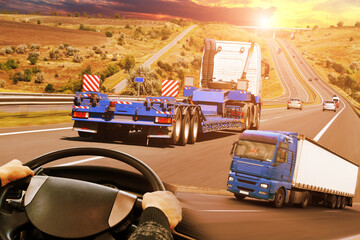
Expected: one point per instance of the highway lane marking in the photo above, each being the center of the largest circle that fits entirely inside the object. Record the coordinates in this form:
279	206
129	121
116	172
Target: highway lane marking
287	115
35	131
80	161
355	237
231	211
319	135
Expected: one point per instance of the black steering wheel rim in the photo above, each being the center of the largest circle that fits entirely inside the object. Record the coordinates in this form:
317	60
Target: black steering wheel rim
144	169
17	219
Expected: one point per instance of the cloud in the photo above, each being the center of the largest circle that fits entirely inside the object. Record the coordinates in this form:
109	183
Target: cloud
174	8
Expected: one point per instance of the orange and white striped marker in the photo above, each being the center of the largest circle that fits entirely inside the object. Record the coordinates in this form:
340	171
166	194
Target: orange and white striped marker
170	88
91	83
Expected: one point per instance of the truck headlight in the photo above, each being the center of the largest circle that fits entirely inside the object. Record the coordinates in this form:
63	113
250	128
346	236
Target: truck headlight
264	185
231	179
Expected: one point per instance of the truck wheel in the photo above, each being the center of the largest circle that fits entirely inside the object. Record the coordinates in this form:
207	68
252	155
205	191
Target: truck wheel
279	198
185	129
256	125
332	202
338	202
176	131
305	200
343	202
84	134
240	196
194	128
247	120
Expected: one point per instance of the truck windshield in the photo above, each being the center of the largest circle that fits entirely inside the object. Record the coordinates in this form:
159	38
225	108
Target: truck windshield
255	150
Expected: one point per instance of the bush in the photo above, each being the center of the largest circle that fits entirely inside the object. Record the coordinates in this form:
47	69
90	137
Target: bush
108	34
6	50
49	88
35	70
121	41
2	83
150	86
354	66
339	68
21	49
33	54
127	63
56	75
39	77
10	64
357	24
23	76
61	46
38	21
340	24
351	39
35	46
128	26
70	51
77	58
329	63
165	66
33	60
196	62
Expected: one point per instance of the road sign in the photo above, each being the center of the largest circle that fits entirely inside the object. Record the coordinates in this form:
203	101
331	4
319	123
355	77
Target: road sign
139	79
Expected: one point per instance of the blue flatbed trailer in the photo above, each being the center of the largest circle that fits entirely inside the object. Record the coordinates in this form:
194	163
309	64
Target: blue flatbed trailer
179	120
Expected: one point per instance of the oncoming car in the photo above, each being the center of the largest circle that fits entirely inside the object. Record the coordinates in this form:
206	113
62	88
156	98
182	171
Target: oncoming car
295	103
329	105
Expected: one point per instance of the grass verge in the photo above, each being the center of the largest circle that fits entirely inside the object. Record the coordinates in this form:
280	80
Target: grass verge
33	118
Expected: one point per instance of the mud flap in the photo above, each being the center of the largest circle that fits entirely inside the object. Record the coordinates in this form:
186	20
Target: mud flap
159	132
84	126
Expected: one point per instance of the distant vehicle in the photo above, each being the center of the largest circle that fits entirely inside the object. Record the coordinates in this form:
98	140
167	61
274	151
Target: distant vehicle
310	79
329	105
336	100
316	79
295	103
286	167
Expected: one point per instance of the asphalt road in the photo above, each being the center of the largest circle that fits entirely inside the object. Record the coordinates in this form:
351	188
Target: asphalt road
206	165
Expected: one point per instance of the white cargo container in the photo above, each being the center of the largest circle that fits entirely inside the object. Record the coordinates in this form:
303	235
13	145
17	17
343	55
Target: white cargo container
318	169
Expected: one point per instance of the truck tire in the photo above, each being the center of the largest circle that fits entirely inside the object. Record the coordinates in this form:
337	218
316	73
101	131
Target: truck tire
84	134
247	120
256	124
240	196
279	199
194	128
332	201
176	131
343	202
185	129
338	202
305	200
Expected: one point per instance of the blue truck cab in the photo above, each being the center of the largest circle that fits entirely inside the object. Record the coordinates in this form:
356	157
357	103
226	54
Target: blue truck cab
263	162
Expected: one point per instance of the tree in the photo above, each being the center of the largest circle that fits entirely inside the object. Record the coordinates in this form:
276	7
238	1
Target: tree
116	16
76	14
69	15
316	27
340	24
357	24
99	15
127	63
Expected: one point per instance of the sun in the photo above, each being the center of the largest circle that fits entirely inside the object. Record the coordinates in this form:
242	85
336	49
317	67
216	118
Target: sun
264	22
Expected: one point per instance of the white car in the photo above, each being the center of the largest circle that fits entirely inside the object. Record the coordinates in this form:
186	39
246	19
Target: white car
294	103
329	105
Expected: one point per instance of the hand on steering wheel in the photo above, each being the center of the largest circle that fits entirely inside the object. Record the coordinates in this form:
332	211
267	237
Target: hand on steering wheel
69	208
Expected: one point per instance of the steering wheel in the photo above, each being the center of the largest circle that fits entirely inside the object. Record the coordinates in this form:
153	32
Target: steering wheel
68	208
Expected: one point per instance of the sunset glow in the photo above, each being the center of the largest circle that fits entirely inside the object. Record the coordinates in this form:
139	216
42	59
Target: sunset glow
274	13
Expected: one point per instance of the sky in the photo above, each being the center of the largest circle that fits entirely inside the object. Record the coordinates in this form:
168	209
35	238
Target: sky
271	13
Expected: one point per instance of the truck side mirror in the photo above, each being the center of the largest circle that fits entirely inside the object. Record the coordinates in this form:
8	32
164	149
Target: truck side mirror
233	148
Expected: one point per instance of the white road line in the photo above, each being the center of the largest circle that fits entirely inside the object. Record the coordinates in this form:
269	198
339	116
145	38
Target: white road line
355	237
35	131
80	161
231	211
319	135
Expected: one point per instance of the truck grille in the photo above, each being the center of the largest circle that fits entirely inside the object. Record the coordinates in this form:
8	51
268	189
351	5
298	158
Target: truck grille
247	182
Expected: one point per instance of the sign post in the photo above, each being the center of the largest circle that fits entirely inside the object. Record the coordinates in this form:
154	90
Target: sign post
139	80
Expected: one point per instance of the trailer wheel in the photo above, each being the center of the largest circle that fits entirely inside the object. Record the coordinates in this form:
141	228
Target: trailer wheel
247	120
185	129
343	202
256	124
338	202
305	200
84	134
332	202
279	198
240	196
194	128
176	131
